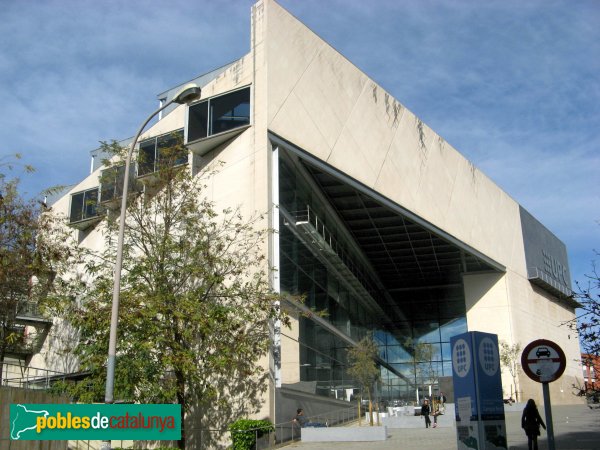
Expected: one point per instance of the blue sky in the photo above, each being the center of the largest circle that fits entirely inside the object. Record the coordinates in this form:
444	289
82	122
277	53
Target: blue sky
513	85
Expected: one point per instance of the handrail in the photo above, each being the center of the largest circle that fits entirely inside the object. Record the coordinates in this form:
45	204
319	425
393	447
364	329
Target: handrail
14	375
308	216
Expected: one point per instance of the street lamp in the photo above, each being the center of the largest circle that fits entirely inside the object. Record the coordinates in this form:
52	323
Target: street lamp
186	94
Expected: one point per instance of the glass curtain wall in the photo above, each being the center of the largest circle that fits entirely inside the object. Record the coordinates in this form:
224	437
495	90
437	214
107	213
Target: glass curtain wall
430	316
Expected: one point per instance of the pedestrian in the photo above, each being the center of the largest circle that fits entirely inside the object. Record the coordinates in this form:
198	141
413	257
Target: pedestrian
442	403
530	422
437	411
302	420
425	410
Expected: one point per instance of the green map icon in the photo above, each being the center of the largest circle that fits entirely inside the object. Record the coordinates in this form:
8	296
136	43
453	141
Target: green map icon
23	420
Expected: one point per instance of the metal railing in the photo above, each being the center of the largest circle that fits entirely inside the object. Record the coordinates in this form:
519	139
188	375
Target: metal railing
281	434
27	308
358	270
14	375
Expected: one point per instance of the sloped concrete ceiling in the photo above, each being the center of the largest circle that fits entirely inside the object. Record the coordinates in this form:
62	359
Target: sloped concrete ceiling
321	102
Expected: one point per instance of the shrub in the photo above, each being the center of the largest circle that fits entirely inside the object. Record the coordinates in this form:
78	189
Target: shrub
244	432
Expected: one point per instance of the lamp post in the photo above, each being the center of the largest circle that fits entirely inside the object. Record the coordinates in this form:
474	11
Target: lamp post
186	94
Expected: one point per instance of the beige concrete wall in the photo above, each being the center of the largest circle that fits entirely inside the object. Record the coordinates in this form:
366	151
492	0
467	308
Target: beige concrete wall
321	102
486	302
324	104
535	315
530	314
290	356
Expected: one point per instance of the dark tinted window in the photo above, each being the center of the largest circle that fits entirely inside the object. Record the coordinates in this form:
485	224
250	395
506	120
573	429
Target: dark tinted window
84	205
76	207
171	150
230	111
167	149
112	180
198	121
147	157
219	114
91	203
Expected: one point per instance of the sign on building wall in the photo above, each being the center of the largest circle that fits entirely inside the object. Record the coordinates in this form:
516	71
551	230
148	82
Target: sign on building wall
477	382
546	256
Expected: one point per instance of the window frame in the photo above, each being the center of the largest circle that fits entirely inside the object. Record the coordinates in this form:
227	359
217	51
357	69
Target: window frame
209	114
156	159
83	216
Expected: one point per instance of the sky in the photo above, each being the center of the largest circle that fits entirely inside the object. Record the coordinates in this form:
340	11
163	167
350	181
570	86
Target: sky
513	85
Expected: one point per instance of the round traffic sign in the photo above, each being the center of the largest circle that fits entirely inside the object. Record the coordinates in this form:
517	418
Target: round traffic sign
543	361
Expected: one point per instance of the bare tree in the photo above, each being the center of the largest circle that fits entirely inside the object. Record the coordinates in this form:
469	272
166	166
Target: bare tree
510	357
587	325
364	370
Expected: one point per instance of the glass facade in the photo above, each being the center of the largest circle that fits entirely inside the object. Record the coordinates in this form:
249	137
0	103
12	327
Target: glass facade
320	261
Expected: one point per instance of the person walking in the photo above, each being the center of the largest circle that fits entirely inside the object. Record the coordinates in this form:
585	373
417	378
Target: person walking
530	422
442	405
437	411
425	410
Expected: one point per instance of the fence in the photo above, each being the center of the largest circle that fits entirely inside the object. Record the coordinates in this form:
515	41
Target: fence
284	432
14	375
11	395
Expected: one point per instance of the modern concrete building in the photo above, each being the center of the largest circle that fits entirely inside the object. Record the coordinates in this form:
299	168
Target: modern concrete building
378	221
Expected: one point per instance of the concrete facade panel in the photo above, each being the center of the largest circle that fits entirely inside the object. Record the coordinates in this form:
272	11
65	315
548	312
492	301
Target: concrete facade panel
372	126
351	159
405	156
171	122
305	129
291	49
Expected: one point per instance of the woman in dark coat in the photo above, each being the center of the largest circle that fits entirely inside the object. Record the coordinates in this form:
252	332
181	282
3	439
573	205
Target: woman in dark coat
425	410
530	422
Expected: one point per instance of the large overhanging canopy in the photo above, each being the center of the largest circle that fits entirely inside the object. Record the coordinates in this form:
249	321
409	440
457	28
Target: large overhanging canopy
412	259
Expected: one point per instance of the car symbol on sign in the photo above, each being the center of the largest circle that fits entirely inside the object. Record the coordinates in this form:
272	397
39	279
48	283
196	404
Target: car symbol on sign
542	351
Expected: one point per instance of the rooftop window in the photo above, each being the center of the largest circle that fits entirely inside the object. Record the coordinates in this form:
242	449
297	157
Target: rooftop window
162	151
84	207
219	114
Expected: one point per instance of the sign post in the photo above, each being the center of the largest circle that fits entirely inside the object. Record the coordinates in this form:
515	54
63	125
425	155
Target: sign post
544	361
479	408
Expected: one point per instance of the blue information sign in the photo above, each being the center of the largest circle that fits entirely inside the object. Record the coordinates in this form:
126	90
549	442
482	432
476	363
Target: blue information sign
477	382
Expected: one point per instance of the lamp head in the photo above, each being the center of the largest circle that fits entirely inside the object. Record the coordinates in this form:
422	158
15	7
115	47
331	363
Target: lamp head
187	94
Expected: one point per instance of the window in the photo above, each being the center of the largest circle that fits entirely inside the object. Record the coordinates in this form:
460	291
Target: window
84	205
219	114
111	181
166	150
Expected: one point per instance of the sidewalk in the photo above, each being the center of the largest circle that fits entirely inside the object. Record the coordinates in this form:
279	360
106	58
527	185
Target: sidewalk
575	428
